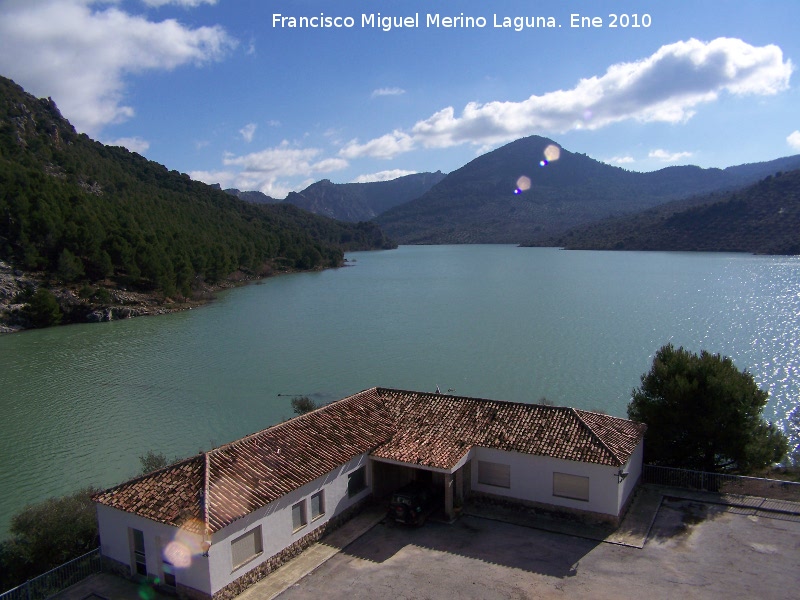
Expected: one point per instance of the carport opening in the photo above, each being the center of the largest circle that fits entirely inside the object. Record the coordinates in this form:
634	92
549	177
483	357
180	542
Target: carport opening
447	490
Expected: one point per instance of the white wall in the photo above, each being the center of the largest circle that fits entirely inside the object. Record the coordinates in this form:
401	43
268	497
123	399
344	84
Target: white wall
115	543
634	469
276	521
532	480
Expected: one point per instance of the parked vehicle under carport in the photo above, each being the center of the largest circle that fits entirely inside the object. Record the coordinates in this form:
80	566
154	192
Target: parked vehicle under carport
411	504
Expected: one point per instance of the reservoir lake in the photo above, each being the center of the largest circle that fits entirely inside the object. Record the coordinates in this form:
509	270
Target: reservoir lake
79	404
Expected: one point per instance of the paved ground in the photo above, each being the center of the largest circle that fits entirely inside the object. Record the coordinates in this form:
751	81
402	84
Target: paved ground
104	586
694	550
671	543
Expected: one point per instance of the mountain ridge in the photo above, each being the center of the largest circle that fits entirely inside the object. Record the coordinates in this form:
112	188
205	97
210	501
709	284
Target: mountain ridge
477	203
352	202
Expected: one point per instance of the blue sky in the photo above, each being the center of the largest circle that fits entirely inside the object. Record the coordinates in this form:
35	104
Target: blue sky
216	89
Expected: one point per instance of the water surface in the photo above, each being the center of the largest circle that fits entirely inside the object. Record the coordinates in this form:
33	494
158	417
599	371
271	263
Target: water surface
79	404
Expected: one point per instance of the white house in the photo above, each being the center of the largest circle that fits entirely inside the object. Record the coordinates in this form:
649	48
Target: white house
211	525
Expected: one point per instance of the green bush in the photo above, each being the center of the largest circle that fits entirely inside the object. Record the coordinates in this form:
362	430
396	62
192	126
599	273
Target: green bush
43	310
46	535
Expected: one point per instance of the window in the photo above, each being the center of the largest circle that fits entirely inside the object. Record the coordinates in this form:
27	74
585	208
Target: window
246	547
169	574
571	486
139	557
495	474
299	515
356	481
317	505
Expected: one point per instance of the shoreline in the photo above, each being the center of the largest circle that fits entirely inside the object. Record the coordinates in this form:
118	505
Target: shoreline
123	304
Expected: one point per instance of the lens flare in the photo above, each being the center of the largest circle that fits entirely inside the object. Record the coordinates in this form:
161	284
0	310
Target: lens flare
146	593
178	554
543	163
551	153
524	183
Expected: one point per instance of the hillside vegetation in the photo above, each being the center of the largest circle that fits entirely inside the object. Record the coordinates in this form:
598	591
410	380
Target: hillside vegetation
82	211
763	218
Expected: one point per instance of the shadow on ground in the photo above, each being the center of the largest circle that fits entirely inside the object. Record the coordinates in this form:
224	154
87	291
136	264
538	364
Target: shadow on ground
530	550
678	516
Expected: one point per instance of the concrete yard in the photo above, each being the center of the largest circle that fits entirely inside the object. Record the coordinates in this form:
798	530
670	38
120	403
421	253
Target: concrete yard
694	550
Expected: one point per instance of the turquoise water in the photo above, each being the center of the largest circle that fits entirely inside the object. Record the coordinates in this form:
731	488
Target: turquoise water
81	403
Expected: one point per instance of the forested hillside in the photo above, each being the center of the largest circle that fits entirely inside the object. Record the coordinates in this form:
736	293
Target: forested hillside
763	218
80	210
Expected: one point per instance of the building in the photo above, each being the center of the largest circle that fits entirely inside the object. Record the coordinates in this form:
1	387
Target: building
211	525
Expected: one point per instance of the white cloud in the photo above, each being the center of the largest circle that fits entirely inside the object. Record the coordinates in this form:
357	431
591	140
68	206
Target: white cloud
184	3
386	146
248	131
621	160
667	86
383	176
794	140
392	91
665	156
268	169
224	178
330	164
80	54
134	144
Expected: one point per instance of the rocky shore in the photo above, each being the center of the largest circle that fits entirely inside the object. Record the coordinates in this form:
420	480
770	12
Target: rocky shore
16	287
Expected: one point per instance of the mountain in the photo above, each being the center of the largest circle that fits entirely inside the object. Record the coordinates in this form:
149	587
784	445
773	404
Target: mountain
353	202
80	211
763	218
478	204
253	197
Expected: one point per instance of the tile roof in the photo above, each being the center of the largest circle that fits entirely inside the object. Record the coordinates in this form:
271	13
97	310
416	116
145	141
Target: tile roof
435	430
211	490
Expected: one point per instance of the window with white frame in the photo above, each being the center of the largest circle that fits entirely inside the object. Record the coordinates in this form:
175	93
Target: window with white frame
139	557
317	505
494	474
299	519
575	487
246	547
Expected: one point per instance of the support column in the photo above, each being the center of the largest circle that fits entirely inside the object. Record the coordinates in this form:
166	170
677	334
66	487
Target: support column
460	486
448	496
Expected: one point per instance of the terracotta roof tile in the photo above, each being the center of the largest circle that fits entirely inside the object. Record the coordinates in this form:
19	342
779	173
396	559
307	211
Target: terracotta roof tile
212	490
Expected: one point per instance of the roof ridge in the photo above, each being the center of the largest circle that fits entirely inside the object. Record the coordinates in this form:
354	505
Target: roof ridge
206	485
381	390
596	436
